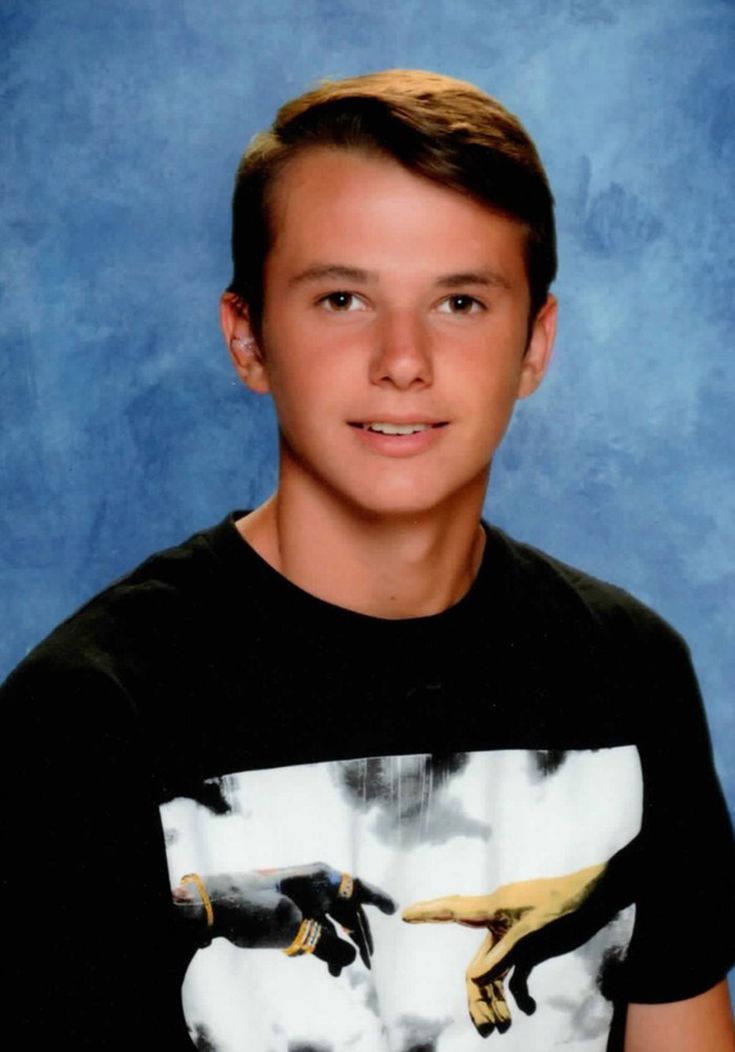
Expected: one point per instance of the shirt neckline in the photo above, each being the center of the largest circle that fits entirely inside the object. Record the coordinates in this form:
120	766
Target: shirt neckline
295	601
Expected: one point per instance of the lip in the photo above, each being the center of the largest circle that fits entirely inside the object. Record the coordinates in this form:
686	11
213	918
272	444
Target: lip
398	445
399	420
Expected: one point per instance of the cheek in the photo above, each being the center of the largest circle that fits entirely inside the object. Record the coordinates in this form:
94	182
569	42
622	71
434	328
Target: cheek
312	372
489	378
304	396
490	405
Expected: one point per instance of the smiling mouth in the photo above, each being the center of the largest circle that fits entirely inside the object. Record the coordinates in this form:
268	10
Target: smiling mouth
379	427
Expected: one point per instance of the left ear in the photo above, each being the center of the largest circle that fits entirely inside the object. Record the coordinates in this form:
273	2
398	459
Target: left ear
540	345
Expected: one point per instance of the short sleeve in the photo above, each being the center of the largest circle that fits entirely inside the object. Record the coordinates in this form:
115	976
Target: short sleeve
684	936
90	955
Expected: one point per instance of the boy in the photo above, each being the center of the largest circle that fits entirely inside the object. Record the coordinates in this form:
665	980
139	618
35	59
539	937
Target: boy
357	724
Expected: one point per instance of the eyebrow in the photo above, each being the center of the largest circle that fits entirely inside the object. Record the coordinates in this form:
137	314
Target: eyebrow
473	277
325	271
338	271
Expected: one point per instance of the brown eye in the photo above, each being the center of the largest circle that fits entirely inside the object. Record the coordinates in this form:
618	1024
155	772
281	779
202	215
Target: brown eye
341	302
460	304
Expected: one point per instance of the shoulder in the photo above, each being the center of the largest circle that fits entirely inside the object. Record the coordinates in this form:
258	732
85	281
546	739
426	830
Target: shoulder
563	597
158	606
609	656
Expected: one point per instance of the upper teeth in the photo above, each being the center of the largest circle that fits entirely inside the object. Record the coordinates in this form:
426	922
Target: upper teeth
397	429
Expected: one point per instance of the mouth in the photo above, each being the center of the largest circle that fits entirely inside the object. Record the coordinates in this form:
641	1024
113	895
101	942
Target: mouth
383	427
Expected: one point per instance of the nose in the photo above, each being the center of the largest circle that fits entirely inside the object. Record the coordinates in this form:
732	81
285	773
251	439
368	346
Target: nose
402	354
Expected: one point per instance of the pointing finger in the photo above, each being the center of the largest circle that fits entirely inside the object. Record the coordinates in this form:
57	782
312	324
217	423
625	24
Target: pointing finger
463	909
433	911
374	896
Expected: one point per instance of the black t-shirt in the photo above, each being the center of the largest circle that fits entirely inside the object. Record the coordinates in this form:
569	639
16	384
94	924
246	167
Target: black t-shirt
532	762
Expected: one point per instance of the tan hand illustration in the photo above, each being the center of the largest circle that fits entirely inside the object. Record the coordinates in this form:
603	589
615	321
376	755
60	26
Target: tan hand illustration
510	914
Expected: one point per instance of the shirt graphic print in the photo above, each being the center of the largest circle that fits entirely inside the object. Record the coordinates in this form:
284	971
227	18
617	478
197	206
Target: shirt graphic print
392	903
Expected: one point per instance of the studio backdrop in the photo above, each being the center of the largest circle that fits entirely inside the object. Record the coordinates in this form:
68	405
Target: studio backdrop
123	426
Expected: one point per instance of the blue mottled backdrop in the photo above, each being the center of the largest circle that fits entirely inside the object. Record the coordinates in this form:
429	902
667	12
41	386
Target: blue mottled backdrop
123	428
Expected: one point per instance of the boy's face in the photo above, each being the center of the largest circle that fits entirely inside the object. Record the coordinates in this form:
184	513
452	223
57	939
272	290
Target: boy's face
394	335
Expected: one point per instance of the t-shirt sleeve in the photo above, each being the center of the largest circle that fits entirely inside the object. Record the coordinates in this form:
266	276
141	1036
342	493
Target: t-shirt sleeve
684	936
92	955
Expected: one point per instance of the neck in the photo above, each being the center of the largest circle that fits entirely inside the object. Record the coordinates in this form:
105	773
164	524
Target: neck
387	566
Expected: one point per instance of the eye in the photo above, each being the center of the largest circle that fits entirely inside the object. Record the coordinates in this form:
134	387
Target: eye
460	304
341	302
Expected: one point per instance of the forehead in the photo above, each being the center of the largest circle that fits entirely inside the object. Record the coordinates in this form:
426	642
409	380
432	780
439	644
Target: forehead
332	200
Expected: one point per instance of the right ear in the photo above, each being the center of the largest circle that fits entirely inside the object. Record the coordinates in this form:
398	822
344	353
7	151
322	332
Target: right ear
241	343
